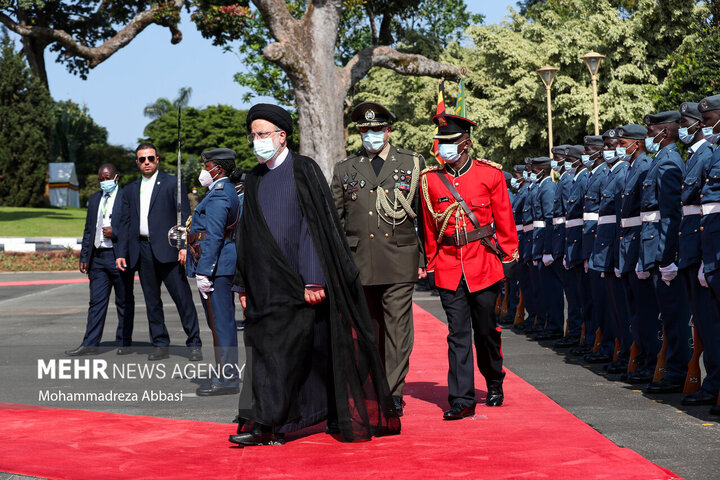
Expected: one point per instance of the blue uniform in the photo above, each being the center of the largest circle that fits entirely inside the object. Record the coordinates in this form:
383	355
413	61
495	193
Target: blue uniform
216	216
549	275
591	209
531	296
639	294
514	284
661	214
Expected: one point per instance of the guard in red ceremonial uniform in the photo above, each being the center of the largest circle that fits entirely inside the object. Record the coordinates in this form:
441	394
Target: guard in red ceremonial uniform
471	244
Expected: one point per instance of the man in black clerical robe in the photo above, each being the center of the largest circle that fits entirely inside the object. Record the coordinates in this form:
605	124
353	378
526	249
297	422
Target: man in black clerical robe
308	335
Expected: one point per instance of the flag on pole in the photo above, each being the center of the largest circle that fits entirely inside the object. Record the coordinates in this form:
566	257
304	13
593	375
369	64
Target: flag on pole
439	111
460	103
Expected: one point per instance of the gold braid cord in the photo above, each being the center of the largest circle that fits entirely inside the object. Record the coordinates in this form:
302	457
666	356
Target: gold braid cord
391	213
444	217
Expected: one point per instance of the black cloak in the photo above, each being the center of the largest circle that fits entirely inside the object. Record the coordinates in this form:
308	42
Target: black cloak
308	360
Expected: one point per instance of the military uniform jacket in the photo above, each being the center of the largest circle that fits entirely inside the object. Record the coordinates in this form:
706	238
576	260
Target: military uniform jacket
605	247
629	241
385	254
517	206
527	219
213	215
689	250
591	205
562	193
710	223
482	186
543	214
574	211
661	194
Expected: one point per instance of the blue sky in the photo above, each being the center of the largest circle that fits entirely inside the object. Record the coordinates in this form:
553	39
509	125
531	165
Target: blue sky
150	67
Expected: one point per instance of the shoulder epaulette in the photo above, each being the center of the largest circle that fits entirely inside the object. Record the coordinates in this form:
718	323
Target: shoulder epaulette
407	152
220	186
356	154
432	168
490	163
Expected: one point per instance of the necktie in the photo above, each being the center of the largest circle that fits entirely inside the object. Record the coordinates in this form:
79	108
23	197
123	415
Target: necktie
377	164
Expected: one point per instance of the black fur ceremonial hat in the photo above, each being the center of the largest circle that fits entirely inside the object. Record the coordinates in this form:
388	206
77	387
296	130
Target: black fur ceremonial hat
451	127
691	110
710	103
593	140
223	157
371	114
671	116
273	114
632	132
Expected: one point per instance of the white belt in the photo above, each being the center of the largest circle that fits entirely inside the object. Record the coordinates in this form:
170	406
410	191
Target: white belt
558	220
607	219
650	217
630	222
538	224
691	210
528	228
519	228
713	207
575	222
589	217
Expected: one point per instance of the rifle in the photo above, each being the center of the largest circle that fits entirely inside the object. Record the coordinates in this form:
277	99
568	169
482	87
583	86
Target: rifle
504	305
598	341
520	310
661	368
633	363
692	381
177	235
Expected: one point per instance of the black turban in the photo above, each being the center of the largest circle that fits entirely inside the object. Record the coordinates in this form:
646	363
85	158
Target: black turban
273	114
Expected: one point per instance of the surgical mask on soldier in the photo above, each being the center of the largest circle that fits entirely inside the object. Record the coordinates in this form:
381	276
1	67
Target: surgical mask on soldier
205	178
108	186
526	175
515	183
373	141
709	135
449	152
533	177
555	165
621	153
264	149
609	156
650	144
585	159
569	166
685	136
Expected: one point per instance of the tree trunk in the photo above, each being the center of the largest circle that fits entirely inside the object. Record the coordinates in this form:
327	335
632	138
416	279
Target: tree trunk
34	50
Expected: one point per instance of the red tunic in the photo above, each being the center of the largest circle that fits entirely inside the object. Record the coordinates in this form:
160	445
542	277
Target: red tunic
483	188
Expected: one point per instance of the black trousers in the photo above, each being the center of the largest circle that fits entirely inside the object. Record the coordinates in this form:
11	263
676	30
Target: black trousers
471	315
152	274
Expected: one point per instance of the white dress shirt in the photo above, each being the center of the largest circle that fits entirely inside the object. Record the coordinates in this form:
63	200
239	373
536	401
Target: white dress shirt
104	215
146	189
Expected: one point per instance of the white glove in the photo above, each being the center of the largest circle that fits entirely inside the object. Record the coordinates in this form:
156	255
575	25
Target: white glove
701	275
547	259
668	273
587	266
640	274
602	274
204	284
534	263
617	273
565	263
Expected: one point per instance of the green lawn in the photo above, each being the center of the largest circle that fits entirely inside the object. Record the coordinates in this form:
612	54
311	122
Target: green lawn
41	222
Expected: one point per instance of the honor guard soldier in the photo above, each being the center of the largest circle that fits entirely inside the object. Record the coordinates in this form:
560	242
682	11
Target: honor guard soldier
212	254
639	294
528	271
661	213
467	259
523	276
376	192
516	193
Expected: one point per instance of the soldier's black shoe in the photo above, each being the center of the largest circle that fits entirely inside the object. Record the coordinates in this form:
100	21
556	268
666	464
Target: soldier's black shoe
507	320
639	376
332	427
701	397
159	353
549	335
597	357
495	397
715	410
618	366
567	342
581	350
124	350
258	435
521	327
399	404
212	389
81	350
533	329
663	386
457	412
195	354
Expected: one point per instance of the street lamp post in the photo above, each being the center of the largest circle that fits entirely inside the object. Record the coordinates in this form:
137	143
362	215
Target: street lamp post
592	60
547	75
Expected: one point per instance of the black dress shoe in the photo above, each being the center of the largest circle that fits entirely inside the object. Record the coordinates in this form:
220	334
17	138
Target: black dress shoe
639	376
701	397
534	329
81	350
567	342
124	350
549	335
159	353
507	320
663	386
195	354
715	410
257	436
399	404
581	350
597	357
332	427
495	397
212	389
457	412
618	366
521	327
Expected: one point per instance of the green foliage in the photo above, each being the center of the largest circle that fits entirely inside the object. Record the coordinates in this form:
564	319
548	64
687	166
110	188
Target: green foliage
161	106
25	122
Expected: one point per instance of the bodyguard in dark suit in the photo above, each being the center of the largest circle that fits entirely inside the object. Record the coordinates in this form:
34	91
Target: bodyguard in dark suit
149	211
661	213
97	259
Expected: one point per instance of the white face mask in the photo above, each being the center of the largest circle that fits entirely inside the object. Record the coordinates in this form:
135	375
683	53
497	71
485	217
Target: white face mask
265	149
450	152
205	178
373	141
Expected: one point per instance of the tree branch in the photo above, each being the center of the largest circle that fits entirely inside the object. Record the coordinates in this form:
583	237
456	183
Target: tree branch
94	55
403	63
282	25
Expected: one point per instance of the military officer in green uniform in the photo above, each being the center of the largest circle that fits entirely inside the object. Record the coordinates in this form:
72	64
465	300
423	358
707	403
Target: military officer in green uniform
377	196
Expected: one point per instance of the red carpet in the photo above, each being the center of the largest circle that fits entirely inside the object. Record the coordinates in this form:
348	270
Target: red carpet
529	437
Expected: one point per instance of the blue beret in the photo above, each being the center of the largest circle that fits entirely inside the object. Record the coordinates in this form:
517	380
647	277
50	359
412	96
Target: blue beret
593	140
690	110
609	134
507	175
632	131
519	168
671	116
560	149
541	161
528	160
278	116
709	103
575	151
218	154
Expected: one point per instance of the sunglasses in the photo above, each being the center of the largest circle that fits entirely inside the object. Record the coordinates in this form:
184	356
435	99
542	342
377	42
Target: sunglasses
149	158
374	129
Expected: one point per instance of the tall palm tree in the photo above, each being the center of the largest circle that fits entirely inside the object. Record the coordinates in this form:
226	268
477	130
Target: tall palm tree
161	106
